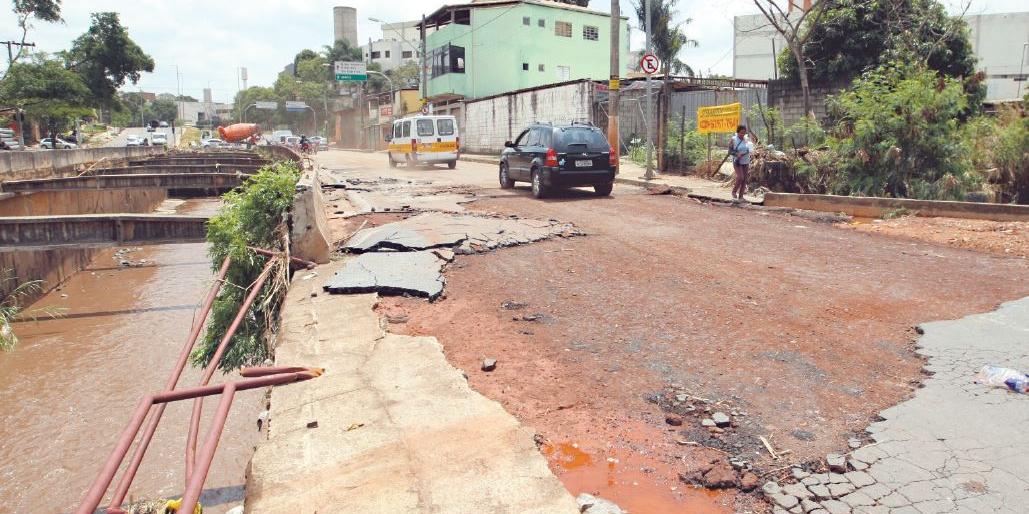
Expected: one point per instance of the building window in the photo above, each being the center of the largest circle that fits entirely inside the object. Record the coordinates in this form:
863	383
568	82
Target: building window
541	68
446	59
525	66
387	54
526	21
590	33
563	28
564	73
542	23
406	54
376	55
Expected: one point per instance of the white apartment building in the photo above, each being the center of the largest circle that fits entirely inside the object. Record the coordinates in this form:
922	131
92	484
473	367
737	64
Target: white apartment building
400	43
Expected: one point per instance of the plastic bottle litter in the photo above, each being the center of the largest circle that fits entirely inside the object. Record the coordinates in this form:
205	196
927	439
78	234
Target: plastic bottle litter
1003	377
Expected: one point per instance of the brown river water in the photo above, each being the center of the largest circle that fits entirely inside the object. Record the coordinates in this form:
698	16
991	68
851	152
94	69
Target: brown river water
70	385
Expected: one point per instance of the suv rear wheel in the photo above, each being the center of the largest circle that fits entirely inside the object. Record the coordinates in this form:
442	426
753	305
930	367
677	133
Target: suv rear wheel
505	177
604	189
538	189
392	163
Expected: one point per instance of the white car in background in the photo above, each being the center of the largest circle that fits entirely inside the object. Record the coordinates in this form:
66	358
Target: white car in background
61	144
320	142
134	140
159	138
213	143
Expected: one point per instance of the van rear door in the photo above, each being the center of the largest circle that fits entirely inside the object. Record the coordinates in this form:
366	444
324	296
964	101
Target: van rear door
447	137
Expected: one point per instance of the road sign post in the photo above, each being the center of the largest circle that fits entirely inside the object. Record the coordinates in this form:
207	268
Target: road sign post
650	64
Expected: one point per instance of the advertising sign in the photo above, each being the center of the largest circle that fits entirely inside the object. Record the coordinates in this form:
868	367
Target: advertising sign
347	71
719	118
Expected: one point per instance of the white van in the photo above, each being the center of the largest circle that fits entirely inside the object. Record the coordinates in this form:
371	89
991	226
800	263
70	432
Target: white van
424	140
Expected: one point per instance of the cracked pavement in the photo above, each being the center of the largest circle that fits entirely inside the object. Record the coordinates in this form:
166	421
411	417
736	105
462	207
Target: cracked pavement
955	447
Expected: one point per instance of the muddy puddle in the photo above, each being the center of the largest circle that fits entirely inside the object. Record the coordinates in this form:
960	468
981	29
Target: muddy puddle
69	386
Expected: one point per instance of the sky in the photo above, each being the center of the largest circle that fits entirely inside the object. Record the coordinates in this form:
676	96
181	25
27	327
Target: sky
210	39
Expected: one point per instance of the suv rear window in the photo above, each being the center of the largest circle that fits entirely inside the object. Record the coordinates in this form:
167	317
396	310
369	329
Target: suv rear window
426	128
445	127
578	138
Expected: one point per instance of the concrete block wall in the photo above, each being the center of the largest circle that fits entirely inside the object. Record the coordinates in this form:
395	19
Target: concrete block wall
491	121
789	99
31	164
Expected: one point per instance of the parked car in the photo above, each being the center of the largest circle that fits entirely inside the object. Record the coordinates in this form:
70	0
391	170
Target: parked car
213	143
163	124
279	136
159	138
552	156
150	128
319	141
292	141
61	144
424	140
134	140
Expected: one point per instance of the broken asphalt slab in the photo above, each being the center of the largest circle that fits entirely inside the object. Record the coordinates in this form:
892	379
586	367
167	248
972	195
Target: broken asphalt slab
464	232
391	273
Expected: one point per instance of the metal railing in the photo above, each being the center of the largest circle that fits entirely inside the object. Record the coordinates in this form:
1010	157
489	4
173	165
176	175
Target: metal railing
197	465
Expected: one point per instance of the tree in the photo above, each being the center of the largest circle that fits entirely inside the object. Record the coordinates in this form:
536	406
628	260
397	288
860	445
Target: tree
27	10
406	75
341	51
47	91
252	95
791	28
105	56
667	39
857	35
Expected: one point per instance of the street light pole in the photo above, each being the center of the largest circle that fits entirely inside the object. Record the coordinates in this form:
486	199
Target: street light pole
1021	62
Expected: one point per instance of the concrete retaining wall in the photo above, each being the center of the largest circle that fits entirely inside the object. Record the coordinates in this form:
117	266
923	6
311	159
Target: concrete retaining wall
867	207
490	122
309	227
56	163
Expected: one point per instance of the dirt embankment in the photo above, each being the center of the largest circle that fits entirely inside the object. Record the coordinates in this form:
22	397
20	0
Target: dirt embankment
799	331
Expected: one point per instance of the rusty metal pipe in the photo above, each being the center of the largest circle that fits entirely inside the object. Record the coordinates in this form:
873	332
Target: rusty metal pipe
191	495
269	253
194	420
148	434
273	370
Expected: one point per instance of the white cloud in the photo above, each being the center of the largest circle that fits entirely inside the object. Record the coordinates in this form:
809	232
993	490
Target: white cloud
209	39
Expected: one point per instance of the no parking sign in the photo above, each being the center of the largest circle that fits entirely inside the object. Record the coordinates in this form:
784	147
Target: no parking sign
650	64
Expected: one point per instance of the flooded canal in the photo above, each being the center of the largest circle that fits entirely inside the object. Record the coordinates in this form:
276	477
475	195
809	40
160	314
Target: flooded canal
70	385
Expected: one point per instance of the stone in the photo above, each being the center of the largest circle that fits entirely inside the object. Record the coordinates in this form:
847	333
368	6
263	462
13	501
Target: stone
771	489
854	443
796	510
749	481
590	504
838	490
785	501
799	473
857	465
673	419
836	507
876	491
397	319
707	422
489	364
860	478
681	398
893	500
837	478
447	255
797	490
821	492
721	419
810	480
836	463
392	273
779	510
809	506
802	435
720	476
512	305
858	499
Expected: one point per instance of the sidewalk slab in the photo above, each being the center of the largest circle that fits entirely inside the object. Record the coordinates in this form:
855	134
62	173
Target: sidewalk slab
390	427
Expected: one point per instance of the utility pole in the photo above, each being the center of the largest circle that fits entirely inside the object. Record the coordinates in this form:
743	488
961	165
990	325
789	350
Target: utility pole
425	73
10	52
650	101
613	84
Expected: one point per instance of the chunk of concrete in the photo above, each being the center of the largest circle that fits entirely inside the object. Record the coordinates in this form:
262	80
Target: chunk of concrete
589	504
391	274
836	463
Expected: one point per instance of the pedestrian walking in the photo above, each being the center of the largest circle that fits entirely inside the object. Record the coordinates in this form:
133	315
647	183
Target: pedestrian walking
739	149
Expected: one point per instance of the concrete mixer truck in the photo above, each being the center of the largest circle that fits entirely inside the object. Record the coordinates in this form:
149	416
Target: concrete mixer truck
240	132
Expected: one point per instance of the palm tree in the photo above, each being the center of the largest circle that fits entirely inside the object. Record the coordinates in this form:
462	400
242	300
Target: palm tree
667	39
13	304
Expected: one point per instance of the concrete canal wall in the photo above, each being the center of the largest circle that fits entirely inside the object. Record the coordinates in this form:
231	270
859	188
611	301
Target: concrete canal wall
60	163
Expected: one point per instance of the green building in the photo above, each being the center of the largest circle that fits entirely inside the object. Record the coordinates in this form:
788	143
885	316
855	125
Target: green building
488	47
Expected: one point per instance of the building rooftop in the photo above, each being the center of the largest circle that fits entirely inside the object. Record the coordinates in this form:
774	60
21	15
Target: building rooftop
441	16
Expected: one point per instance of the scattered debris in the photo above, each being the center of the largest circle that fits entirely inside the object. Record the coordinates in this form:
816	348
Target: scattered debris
397	319
391	273
768	446
836	463
589	504
354	426
312	424
674	420
659	190
1007	378
489	364
721	419
512	305
262	418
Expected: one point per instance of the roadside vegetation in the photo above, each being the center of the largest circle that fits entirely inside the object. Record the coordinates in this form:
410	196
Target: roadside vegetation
910	124
253	215
13	306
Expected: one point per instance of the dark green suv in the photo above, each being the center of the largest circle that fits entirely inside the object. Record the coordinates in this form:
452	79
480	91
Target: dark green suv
552	156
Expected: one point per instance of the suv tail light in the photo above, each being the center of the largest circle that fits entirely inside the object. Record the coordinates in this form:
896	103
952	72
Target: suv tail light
414	146
612	159
551	158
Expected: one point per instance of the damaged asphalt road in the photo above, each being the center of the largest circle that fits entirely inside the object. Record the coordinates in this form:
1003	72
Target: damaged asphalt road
392	274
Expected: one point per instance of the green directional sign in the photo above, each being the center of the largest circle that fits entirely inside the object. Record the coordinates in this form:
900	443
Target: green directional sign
351	71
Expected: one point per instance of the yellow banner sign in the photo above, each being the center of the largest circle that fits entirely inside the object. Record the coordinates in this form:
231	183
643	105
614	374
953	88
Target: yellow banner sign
719	118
